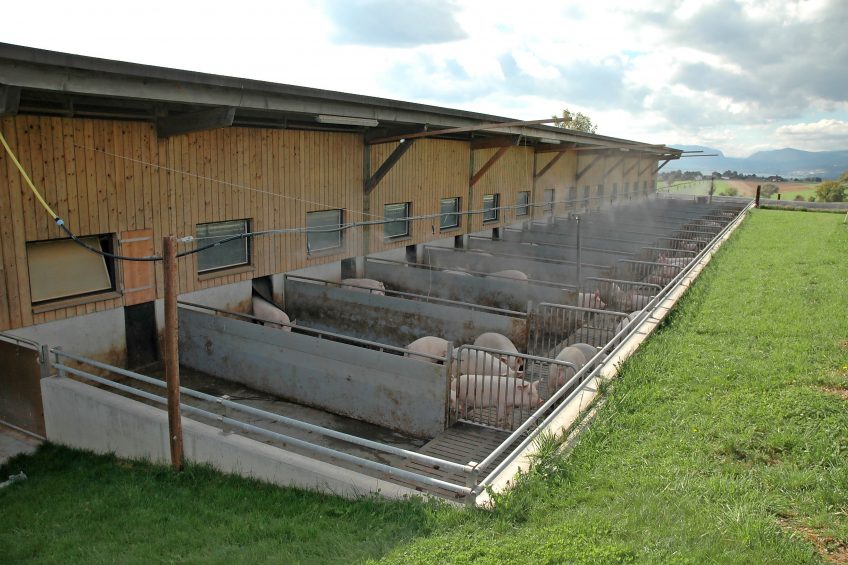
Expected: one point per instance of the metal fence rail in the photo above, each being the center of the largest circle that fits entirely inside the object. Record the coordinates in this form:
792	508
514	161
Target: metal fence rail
550	410
500	389
233	407
556	326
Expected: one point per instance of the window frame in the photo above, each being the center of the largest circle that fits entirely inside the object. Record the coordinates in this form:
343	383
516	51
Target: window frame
495	209
522	209
407	210
457	213
311	250
549	204
248	247
107	244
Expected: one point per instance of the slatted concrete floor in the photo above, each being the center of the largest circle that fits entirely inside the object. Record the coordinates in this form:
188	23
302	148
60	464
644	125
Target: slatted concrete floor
460	443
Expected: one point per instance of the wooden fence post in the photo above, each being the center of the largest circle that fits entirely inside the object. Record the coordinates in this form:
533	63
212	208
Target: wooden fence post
171	353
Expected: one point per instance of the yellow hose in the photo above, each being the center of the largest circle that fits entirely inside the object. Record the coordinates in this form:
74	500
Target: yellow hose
26	177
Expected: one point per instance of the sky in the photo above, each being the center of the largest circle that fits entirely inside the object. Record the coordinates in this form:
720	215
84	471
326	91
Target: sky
737	75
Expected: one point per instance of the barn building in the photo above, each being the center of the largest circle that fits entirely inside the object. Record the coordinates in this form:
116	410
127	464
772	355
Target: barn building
126	154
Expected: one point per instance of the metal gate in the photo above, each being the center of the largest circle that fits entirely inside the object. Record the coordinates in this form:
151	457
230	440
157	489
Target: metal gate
20	386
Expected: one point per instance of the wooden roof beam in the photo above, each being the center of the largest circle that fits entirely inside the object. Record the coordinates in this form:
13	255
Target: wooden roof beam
392	131
615	166
466	129
488	164
555	147
388	164
550	164
666	162
490	142
631	167
213	118
591	164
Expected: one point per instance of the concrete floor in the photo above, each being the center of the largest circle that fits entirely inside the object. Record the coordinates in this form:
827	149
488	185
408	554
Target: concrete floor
13	442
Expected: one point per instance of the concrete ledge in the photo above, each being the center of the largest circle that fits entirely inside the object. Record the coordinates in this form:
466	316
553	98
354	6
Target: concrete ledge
572	411
82	416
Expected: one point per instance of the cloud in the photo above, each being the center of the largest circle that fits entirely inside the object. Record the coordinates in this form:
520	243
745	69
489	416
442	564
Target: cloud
389	23
824	134
776	60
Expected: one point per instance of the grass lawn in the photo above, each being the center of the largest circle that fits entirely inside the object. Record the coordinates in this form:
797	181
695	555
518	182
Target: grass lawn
724	440
699	187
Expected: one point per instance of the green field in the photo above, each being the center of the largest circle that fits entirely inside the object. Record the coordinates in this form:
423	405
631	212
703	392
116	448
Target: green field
695	187
725	439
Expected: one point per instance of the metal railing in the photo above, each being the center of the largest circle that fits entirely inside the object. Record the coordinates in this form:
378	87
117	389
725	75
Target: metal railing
232	407
497	388
554	406
556	326
413	296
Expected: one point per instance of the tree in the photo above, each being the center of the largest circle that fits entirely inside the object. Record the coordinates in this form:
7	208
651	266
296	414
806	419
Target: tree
833	190
769	190
575	120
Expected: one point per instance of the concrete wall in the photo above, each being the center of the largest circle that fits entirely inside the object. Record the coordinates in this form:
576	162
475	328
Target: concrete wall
82	416
382	388
99	335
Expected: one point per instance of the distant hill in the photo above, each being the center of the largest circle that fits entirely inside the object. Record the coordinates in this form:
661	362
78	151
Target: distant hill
788	163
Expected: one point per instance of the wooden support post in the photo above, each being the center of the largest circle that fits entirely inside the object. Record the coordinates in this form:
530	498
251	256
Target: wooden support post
171	353
757	201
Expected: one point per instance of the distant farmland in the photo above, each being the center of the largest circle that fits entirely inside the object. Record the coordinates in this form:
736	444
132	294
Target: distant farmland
787	190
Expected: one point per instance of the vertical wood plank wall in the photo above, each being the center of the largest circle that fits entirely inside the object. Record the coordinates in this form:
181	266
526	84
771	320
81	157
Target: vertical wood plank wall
111	177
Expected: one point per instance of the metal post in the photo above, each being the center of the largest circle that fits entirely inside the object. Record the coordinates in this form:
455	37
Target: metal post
44	361
579	250
171	352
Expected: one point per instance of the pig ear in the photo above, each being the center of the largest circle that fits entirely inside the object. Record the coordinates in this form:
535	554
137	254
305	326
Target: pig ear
522	384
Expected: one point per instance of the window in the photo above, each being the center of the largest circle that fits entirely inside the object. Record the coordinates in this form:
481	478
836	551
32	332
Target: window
490	207
627	188
61	268
572	195
399	213
327	234
614	191
586	192
645	186
230	254
523	203
449	210
549	199
600	194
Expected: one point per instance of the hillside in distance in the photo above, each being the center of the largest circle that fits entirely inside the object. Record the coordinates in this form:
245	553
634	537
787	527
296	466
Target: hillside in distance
788	163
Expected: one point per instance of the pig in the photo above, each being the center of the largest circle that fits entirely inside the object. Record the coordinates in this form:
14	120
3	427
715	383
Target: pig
429	344
481	391
559	374
587	350
617	297
266	311
511	274
623	323
370	285
636	301
494	340
587	300
469	362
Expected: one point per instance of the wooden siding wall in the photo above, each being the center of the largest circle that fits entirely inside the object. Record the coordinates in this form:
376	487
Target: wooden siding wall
114	177
430	170
560	178
77	166
510	175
